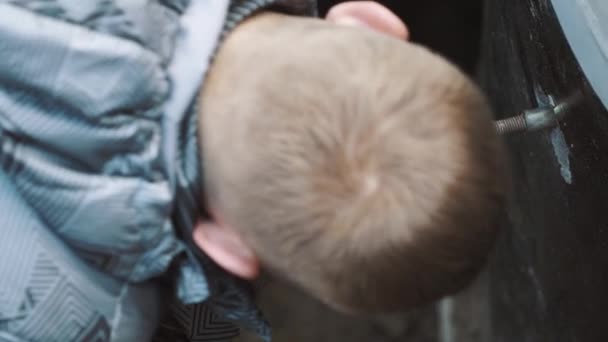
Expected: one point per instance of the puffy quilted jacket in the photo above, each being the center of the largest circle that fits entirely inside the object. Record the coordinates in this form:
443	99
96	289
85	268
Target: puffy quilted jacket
99	166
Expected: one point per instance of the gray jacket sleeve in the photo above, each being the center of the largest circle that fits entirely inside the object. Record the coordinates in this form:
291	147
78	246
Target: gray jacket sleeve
91	96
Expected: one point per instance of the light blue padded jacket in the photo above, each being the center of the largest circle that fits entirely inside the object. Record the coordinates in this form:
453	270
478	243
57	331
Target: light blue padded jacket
99	166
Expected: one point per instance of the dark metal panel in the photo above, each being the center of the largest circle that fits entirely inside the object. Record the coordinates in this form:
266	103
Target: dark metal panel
549	277
450	28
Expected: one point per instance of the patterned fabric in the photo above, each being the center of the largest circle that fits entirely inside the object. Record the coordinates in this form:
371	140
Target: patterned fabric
195	323
92	96
100	172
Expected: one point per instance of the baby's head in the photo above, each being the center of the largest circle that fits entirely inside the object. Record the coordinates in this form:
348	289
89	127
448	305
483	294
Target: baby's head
363	169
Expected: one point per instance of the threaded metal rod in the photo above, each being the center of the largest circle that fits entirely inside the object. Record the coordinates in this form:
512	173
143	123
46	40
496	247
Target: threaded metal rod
511	125
538	118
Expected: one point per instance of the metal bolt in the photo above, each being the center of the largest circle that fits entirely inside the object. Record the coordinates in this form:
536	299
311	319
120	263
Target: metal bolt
511	125
538	118
529	120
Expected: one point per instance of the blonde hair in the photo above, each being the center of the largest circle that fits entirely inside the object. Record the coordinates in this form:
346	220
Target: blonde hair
364	169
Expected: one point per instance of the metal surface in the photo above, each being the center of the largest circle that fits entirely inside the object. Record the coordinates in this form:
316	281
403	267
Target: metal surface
549	275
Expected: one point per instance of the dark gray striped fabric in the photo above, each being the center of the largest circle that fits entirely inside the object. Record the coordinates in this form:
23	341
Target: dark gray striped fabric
100	172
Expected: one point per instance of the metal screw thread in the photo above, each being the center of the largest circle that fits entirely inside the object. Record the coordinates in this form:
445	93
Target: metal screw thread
511	125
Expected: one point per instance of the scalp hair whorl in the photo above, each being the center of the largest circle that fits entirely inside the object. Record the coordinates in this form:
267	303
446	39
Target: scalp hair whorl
363	169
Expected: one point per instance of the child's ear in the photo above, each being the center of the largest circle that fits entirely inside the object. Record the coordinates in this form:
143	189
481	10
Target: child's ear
368	14
226	247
